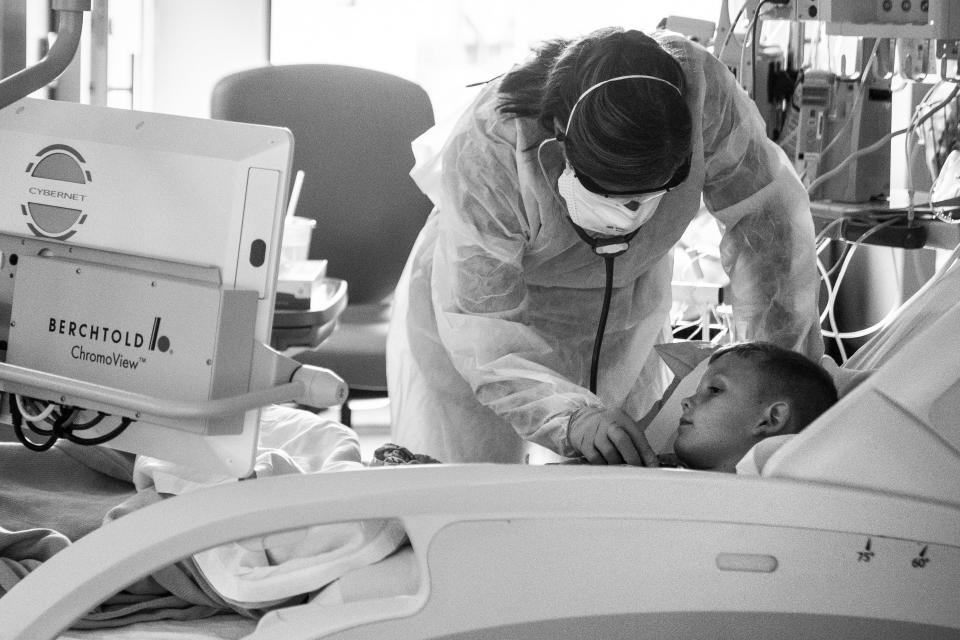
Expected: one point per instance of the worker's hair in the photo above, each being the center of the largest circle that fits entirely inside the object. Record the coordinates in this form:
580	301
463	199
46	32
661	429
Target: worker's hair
787	375
634	133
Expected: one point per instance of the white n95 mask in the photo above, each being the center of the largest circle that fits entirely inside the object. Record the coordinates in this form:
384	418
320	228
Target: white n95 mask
606	214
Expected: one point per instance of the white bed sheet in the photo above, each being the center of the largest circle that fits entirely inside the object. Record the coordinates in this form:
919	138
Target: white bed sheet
225	627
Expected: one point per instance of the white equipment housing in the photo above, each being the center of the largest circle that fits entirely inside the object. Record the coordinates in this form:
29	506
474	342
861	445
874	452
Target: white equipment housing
900	19
139	267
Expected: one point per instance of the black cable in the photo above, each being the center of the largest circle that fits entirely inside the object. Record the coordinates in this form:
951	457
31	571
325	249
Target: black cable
63	420
791	107
753	49
124	423
602	324
63	427
17	420
92	422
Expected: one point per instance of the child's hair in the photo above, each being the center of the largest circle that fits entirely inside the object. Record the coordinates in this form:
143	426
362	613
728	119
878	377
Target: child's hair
787	374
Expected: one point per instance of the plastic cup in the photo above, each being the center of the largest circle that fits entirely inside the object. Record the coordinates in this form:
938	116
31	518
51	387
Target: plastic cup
297	233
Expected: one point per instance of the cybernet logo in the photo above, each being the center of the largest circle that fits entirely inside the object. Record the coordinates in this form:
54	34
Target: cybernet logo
118	337
57	192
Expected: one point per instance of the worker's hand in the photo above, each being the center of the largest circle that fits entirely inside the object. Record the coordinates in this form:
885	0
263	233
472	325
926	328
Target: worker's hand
610	436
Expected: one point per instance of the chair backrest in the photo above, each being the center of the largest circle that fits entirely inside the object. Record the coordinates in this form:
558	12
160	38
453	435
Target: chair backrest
352	131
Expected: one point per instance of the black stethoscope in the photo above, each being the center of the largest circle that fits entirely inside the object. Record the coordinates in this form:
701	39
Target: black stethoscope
607	248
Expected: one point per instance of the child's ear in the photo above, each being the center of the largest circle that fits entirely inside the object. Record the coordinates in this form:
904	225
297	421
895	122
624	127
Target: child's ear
774	420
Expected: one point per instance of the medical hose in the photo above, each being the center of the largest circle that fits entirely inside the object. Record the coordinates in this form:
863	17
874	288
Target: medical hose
63	426
17	420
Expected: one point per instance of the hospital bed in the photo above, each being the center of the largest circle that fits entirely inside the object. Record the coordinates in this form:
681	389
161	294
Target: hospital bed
852	531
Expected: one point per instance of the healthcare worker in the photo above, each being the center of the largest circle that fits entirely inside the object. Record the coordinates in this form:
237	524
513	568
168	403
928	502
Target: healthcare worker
579	168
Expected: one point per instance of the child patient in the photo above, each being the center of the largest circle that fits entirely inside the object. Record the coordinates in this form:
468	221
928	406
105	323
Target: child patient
750	392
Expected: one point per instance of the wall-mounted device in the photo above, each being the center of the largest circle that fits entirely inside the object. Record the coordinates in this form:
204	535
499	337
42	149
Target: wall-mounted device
833	124
931	19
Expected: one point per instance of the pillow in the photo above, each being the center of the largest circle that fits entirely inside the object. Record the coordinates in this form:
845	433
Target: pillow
844	379
752	464
687	360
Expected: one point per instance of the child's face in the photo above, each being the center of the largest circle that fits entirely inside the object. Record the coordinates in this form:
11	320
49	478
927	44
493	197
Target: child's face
715	429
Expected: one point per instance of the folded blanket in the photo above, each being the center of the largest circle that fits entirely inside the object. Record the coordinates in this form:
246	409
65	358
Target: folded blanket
69	488
267	572
48	499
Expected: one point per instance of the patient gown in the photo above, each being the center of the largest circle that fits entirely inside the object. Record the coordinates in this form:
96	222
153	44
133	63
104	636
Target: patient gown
496	312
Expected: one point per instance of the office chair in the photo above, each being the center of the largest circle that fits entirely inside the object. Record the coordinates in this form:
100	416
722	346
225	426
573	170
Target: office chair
352	131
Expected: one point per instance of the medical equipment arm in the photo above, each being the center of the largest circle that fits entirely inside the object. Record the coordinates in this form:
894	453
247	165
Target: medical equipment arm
69	26
292	381
767	248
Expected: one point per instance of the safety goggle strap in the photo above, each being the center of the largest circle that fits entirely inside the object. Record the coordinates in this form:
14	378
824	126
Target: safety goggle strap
566	129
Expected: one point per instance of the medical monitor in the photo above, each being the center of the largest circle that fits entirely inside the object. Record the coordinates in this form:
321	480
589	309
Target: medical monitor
139	257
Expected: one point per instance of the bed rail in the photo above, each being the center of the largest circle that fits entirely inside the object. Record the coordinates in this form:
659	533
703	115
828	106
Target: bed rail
562	534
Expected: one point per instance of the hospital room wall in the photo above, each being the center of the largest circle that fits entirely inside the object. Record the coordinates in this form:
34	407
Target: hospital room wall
178	49
188	46
13	44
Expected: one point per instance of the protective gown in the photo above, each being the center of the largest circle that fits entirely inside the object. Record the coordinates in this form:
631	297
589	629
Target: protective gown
496	312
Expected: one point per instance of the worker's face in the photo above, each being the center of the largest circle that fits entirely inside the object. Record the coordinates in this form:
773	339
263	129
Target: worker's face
605	214
716	426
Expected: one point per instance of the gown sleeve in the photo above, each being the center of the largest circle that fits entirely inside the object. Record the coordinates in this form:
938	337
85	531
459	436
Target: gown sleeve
480	296
767	248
